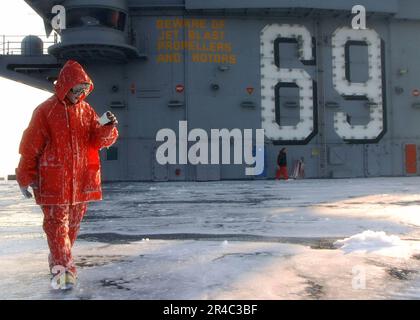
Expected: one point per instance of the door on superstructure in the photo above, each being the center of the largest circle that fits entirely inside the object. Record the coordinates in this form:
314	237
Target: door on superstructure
156	89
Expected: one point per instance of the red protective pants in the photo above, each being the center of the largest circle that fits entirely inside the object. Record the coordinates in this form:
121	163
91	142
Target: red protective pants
282	171
62	224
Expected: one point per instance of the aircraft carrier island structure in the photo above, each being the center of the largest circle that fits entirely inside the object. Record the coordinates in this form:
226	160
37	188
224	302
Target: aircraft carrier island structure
344	100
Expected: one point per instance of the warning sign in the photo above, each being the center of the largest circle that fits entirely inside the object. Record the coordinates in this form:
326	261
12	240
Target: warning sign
204	39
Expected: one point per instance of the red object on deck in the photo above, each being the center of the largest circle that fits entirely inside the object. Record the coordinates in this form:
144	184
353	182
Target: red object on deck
411	158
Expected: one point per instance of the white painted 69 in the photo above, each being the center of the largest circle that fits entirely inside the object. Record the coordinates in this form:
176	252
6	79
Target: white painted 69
272	76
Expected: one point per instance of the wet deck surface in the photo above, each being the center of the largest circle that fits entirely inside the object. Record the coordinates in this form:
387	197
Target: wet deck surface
221	240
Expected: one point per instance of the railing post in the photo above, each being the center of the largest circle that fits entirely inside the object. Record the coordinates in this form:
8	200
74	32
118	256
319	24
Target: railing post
4	44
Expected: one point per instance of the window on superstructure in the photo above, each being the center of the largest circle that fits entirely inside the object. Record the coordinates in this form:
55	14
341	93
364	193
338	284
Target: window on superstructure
96	17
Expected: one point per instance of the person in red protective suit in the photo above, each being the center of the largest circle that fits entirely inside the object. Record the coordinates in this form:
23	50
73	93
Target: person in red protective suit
282	165
60	161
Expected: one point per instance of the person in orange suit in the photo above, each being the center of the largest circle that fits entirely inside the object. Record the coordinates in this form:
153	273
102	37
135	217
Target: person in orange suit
60	161
282	165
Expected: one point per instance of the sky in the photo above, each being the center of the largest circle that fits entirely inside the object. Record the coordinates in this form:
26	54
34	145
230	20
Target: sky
18	100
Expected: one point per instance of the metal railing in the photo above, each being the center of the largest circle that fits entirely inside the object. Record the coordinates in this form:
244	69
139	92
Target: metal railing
12	45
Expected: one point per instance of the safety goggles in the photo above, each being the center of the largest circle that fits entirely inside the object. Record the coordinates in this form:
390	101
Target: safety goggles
80	89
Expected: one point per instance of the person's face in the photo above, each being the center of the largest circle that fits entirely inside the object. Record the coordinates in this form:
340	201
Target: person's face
77	91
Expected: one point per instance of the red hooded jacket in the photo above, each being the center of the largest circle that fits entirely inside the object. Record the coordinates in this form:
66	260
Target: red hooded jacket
59	149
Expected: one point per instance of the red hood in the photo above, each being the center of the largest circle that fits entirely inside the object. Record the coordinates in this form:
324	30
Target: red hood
72	74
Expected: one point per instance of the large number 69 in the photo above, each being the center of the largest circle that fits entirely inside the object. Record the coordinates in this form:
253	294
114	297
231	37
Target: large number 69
273	78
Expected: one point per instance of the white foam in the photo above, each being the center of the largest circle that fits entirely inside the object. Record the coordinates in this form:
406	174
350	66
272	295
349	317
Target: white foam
378	242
